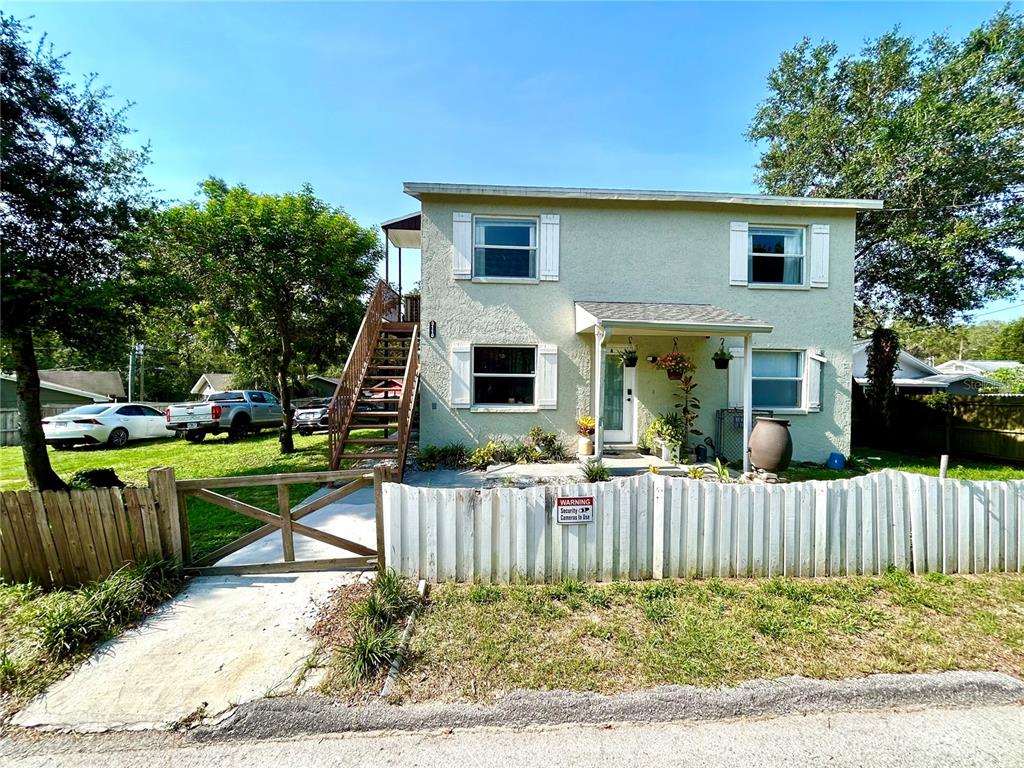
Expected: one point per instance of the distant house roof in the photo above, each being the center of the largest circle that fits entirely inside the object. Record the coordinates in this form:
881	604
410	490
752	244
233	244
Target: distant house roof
215	381
936	381
98	397
417	189
107	384
669	317
977	366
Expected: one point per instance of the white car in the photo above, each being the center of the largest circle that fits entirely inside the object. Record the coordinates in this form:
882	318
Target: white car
111	423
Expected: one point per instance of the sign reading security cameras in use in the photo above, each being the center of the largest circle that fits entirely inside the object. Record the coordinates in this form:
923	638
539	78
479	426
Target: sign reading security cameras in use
572	510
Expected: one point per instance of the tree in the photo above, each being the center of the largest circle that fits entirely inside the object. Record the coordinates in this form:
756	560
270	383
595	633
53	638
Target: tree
71	194
937	131
883	357
948	342
1012	380
276	279
1009	343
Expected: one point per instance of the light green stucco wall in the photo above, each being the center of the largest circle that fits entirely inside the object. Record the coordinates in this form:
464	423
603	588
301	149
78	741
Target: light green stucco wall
9	396
631	252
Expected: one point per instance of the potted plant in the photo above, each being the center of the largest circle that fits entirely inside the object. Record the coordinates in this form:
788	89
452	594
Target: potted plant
722	357
668	432
585	426
675	364
629	356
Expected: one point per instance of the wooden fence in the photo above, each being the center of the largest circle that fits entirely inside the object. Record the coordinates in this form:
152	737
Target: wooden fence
60	538
661	527
9	434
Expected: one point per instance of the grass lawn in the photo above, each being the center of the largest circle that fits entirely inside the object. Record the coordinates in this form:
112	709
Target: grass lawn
474	642
866	460
211	526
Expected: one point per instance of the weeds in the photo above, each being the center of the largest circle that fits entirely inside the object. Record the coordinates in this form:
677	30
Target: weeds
372	650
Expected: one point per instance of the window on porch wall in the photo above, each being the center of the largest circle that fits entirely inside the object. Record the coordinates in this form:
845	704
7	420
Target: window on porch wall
613	373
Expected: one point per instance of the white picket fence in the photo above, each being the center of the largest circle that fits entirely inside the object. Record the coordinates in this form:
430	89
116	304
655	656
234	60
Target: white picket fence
652	526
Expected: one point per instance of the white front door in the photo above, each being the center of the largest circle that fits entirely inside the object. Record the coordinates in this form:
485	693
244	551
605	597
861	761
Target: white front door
619	386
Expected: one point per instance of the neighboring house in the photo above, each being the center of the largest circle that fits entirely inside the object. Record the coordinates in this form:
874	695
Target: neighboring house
321	386
528	294
67	388
977	367
212	382
915	376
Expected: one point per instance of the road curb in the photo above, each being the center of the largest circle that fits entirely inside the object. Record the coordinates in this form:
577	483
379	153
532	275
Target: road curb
303	715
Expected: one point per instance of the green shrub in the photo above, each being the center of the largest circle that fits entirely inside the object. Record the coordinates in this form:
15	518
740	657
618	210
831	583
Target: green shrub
484	593
485	455
395	596
452	455
548	444
372	650
595	472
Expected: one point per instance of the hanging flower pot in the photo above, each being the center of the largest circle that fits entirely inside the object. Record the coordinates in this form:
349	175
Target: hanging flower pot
629	355
675	364
721	357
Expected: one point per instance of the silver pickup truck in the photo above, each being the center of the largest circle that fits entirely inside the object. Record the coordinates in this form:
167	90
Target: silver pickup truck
236	412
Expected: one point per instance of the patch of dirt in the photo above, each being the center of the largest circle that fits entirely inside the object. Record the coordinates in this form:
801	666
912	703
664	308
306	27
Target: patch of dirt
334	625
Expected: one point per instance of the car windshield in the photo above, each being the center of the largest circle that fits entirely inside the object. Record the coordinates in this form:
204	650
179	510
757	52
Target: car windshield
215	396
87	410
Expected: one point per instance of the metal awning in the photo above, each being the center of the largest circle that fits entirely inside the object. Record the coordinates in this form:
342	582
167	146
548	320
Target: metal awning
665	319
404	231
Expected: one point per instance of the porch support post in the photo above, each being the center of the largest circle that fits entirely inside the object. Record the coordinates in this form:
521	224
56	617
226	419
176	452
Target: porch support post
748	398
598	392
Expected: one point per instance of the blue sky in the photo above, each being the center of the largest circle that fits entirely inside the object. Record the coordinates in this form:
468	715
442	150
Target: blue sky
356	99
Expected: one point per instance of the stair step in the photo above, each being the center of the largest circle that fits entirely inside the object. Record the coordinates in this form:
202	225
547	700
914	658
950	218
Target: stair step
380	378
379	400
370	455
372	441
375	413
389	368
355	427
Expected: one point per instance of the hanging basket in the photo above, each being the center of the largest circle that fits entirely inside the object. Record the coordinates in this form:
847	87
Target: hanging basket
721	363
675	375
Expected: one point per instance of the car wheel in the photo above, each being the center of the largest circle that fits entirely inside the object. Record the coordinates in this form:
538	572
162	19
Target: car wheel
239	427
118	438
195	436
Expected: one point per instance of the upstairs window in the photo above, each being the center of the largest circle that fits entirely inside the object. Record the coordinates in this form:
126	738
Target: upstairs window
504	375
778	379
776	255
505	248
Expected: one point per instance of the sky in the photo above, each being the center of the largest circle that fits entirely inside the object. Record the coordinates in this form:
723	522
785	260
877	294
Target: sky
357	98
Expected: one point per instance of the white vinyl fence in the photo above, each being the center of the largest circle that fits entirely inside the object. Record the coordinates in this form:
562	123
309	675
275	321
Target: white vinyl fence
652	526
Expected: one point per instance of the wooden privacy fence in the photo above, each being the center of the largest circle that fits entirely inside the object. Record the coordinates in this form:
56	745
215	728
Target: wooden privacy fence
62	538
654	526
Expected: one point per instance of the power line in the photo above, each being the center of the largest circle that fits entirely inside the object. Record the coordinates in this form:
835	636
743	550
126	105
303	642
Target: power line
993	311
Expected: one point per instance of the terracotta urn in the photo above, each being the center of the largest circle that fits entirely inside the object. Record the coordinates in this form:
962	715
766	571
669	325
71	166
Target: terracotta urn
771	446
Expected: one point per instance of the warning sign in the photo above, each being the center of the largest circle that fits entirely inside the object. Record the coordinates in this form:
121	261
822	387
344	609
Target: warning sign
574	509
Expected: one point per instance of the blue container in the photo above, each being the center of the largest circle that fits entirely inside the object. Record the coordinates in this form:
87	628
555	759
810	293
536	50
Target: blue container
836	461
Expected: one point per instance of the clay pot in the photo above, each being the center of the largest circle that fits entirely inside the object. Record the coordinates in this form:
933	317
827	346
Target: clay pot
675	375
585	446
771	446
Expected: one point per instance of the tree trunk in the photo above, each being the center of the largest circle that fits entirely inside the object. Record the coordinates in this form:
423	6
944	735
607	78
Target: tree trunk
30	414
284	386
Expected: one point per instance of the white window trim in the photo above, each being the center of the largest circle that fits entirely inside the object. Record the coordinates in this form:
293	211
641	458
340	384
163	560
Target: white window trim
805	268
535	248
802	378
475	407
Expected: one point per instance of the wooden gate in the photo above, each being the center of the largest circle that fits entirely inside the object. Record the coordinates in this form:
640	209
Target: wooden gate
285	520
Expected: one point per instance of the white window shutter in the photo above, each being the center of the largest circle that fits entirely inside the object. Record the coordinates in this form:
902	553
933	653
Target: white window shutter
548	246
738	245
547	376
460	361
736	378
462	245
815	363
819	255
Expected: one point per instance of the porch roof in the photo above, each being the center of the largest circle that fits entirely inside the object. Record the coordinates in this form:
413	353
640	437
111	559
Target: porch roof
403	231
655	318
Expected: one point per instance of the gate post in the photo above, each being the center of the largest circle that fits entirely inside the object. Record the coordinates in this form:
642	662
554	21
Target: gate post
162	484
381	475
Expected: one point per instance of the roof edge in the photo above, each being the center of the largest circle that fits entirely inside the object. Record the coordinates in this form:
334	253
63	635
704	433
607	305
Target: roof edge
417	189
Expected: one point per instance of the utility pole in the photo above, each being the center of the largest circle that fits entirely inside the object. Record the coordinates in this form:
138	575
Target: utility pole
131	371
140	352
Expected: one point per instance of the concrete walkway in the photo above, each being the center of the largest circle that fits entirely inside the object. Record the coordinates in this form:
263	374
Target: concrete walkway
222	642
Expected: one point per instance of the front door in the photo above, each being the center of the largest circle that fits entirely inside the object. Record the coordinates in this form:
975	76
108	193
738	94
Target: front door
619	386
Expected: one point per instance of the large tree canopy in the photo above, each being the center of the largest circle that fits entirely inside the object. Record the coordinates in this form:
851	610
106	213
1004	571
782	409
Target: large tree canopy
277	280
937	131
70	196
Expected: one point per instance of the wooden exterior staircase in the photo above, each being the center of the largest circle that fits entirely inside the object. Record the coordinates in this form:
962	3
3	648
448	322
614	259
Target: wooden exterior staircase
378	388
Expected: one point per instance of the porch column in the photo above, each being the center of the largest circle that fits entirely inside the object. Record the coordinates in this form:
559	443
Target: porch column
598	391
748	398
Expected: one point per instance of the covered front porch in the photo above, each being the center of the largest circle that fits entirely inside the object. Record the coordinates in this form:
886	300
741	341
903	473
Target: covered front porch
625	399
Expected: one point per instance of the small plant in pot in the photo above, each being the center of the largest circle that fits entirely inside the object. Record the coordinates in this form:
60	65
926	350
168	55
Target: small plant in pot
722	357
629	356
675	364
585	426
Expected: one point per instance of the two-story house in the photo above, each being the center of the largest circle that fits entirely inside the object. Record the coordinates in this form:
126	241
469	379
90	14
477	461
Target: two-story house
529	293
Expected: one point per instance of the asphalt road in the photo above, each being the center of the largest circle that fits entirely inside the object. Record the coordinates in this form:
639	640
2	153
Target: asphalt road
978	736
